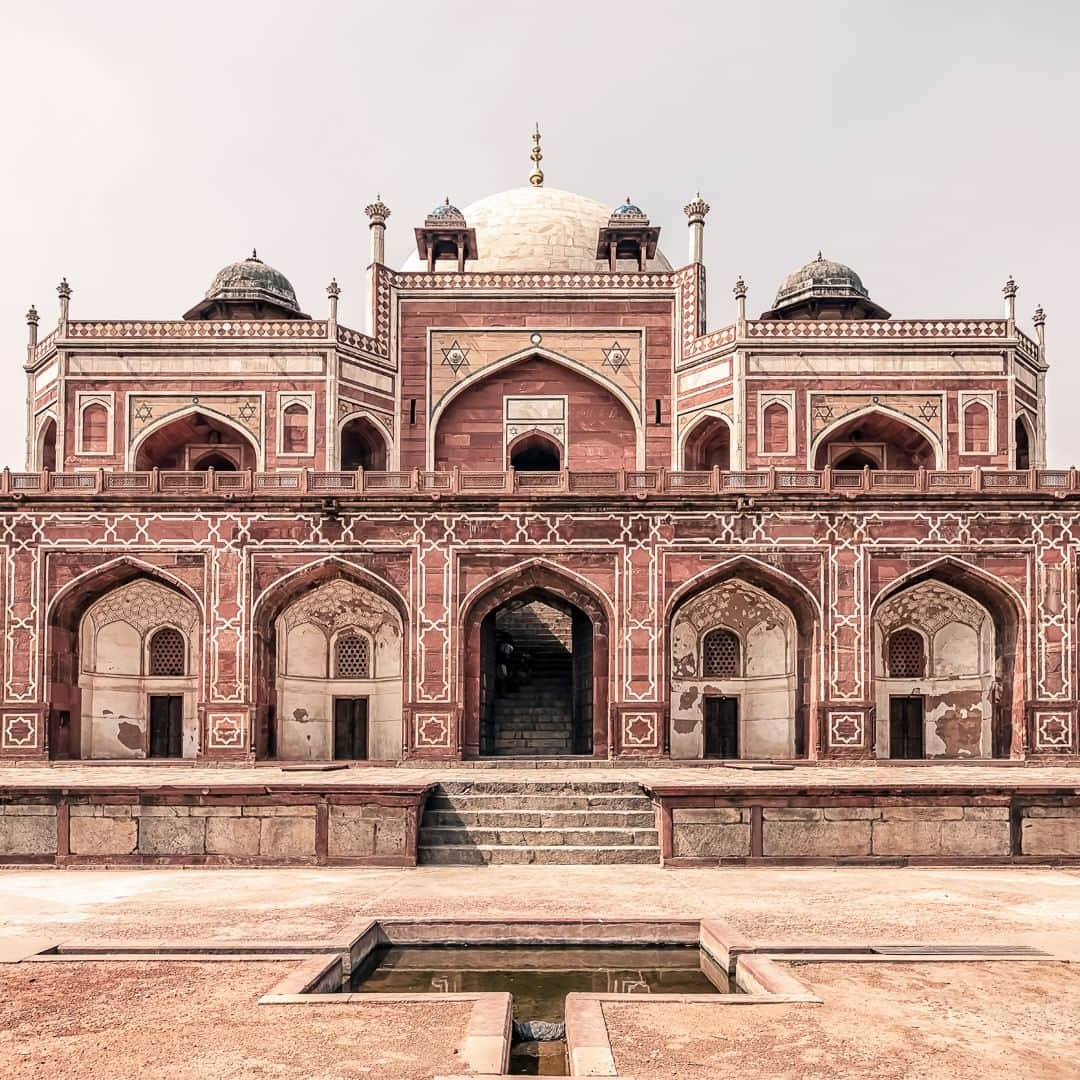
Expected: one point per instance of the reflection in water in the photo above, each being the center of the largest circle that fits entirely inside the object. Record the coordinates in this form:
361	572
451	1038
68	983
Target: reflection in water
539	977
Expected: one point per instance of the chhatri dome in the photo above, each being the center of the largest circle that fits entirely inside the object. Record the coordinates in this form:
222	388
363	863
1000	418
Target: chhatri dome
248	289
824	289
539	228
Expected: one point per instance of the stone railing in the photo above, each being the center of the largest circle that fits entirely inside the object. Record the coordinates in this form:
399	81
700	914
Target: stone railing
620	482
133	329
887	329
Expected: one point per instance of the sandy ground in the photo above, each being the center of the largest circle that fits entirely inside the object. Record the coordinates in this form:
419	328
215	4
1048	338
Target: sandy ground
1033	906
143	1021
888	1021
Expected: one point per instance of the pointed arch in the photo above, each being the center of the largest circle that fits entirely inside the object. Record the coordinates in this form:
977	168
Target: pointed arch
45	443
534	451
538	353
1024	441
885	414
63	641
710	435
806	613
1009	615
593	615
247	439
368	447
274	599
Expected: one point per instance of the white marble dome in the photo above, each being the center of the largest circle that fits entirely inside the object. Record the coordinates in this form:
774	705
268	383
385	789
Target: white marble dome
538	228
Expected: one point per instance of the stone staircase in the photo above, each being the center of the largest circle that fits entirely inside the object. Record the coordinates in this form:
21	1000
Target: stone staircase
535	720
486	822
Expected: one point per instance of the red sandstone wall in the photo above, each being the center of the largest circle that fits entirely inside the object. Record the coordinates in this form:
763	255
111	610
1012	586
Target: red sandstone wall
470	432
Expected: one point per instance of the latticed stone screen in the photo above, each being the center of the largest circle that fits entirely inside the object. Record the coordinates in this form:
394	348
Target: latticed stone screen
721	655
907	655
352	657
168	653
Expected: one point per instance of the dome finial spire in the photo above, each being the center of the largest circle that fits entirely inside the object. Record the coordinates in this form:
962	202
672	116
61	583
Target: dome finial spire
536	178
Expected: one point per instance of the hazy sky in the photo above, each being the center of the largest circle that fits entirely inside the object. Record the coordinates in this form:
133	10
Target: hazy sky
933	146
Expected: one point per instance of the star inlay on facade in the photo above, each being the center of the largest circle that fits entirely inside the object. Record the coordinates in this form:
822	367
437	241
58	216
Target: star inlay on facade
456	357
823	413
143	411
616	357
928	410
247	411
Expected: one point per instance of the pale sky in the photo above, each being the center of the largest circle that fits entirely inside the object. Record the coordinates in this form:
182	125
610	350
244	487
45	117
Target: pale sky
934	147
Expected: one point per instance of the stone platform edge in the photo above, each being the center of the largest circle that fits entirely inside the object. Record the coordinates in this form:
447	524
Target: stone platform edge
219	825
880	823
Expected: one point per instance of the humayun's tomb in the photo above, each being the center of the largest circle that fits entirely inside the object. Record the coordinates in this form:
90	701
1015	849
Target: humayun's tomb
538	509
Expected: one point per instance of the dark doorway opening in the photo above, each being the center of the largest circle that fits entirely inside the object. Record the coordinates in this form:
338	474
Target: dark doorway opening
217	462
362	447
1023	446
906	728
350	729
855	460
536	678
535	453
721	727
166	725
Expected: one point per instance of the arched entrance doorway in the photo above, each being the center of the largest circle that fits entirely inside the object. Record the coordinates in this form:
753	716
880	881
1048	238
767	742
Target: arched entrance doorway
362	446
196	442
875	440
47	446
742	644
536	670
123	670
534	452
329	667
708	446
945	668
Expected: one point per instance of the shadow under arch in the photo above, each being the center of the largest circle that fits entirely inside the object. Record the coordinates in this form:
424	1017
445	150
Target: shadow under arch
907	443
806	612
273	600
1009	616
63	644
538	579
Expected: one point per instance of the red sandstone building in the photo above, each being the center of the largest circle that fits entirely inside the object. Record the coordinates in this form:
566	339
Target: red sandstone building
538	508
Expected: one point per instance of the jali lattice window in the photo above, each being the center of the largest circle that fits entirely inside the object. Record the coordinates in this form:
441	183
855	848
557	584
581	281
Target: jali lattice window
720	655
907	655
168	654
352	656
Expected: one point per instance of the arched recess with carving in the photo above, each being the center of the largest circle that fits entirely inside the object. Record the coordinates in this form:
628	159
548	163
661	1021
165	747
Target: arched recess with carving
196	439
601	430
877	438
708	444
591	620
534	451
98	677
969	703
297	627
777	623
1024	439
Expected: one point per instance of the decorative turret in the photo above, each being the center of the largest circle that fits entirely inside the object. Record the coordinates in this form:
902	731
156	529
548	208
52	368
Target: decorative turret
446	235
627	235
1039	319
333	291
378	213
63	290
695	211
1009	291
740	299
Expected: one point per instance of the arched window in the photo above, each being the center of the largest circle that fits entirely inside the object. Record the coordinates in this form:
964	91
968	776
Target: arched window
721	655
976	428
906	655
352	656
95	429
168	655
535	452
774	421
294	430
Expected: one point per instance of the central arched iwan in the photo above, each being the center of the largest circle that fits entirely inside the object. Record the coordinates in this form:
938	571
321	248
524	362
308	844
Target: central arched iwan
473	434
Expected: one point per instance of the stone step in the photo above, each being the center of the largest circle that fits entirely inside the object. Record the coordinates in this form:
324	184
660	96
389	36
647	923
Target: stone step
550	819
600	838
575	786
486	855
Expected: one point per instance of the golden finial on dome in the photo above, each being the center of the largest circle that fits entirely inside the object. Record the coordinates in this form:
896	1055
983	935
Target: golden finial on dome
537	176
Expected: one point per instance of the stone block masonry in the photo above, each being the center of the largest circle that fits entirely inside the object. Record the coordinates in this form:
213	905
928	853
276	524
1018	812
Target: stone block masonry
78	828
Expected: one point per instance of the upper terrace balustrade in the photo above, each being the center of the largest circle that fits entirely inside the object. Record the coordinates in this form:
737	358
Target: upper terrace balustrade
617	482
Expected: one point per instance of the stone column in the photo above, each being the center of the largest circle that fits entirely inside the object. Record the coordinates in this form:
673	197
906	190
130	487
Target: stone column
695	211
